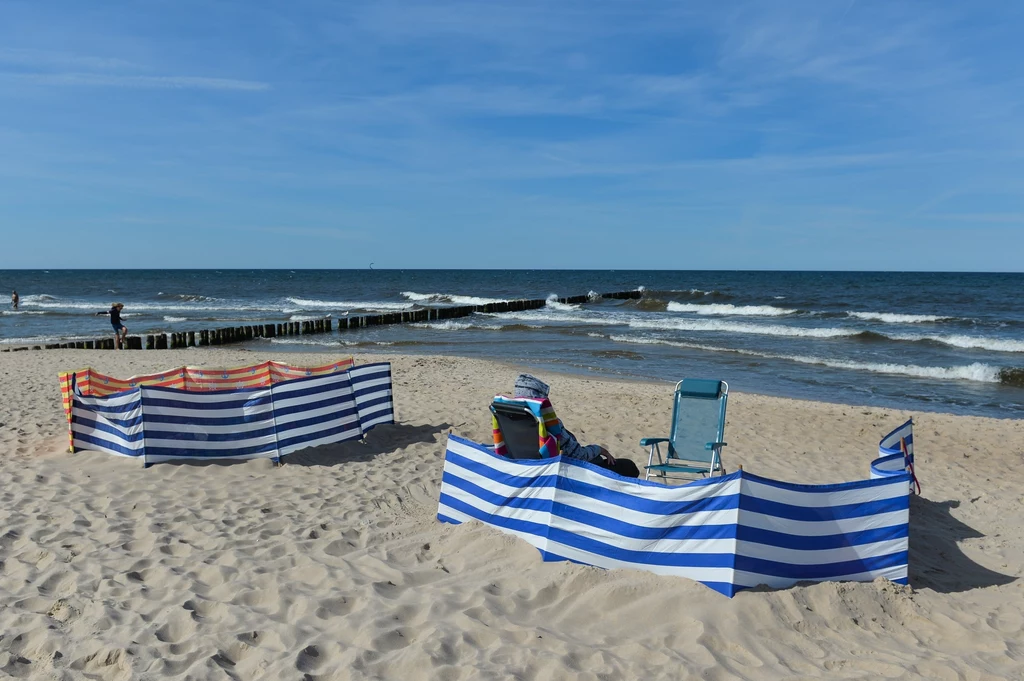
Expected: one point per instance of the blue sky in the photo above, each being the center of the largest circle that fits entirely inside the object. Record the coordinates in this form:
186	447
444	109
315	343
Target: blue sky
798	135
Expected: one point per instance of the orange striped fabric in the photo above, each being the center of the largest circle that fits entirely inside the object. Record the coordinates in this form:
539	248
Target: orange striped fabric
279	371
92	383
257	376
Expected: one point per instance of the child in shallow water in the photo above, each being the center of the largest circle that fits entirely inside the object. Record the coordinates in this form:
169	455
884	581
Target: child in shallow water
120	330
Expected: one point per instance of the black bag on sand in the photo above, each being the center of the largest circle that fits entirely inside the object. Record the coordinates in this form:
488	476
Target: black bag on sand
623	467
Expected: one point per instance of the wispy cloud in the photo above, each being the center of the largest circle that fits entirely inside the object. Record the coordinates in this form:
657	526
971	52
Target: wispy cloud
34	58
982	218
135	81
428	120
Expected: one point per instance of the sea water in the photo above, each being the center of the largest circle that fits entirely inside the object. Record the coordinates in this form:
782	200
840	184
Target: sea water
950	342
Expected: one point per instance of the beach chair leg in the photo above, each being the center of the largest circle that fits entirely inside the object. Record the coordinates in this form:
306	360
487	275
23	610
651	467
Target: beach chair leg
650	462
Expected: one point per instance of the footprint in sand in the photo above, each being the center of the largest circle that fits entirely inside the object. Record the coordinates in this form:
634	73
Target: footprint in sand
112	664
309	659
179	626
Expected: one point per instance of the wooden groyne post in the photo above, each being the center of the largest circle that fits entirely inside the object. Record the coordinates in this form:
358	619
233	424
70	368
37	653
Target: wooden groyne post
241	334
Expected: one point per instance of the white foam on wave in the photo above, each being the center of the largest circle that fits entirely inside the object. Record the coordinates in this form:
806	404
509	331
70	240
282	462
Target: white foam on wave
968	342
168	318
311	341
451	325
455	325
977	371
36	298
552	303
474	300
133	308
39	340
453	298
558	315
314	304
306	317
51	303
741	327
897	318
14	312
727	309
577	316
574	315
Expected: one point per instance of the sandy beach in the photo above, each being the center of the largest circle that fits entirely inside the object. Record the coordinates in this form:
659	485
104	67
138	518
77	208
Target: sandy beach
333	565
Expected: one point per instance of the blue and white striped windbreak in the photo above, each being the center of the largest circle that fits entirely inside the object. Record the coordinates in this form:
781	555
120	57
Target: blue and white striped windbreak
896	455
730	533
165	424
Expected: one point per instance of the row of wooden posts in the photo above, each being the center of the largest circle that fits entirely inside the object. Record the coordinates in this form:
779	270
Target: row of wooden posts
241	334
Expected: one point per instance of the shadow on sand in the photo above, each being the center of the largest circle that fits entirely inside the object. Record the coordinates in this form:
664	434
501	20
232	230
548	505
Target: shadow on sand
380	440
936	560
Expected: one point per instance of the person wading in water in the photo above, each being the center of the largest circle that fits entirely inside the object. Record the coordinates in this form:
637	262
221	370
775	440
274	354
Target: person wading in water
120	330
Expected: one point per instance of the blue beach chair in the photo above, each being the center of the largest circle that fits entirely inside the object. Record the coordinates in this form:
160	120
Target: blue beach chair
698	426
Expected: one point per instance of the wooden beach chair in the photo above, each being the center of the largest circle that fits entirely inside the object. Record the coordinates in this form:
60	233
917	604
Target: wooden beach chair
694	446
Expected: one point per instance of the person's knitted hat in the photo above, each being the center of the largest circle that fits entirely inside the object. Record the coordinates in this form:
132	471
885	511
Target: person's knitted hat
531	386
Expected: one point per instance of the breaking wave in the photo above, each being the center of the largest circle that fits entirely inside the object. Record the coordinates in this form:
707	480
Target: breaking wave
573	315
740	327
449	298
333	343
553	304
967	342
453	325
186	297
316	342
47	302
895	318
37	299
727	309
977	371
313	304
39	340
307	317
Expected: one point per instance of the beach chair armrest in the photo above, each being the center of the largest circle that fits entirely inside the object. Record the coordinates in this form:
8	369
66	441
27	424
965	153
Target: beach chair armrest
714	445
648	441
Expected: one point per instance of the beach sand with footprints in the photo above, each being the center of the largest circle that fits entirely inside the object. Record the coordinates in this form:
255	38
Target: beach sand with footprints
333	566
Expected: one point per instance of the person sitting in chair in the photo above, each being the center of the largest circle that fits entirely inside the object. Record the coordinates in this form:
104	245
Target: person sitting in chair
531	387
